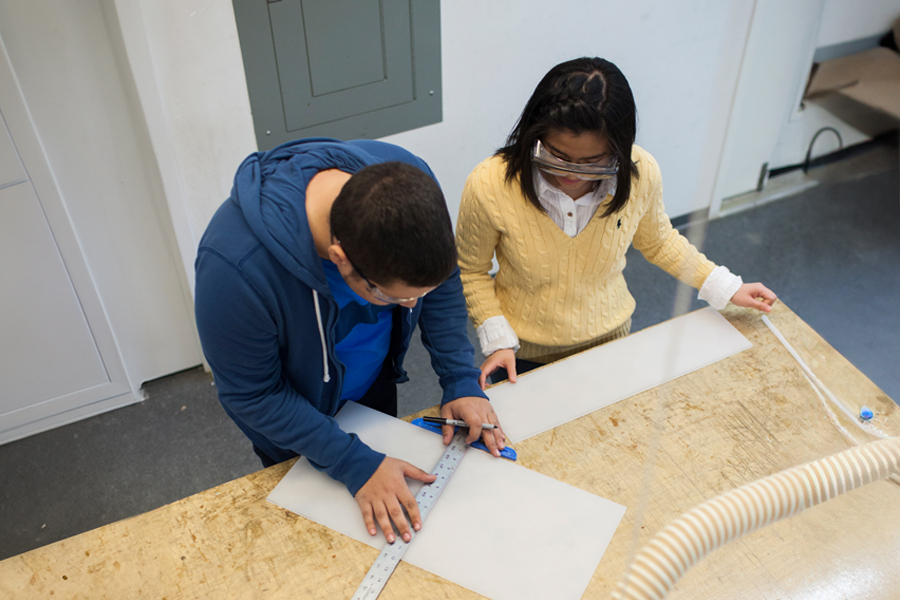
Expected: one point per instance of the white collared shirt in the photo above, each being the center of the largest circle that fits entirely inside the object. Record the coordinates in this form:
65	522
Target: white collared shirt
572	216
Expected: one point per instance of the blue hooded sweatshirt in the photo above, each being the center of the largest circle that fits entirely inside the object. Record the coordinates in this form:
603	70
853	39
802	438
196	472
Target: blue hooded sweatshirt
267	319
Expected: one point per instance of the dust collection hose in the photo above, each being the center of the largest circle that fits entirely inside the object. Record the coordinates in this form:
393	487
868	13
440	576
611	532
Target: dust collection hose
684	542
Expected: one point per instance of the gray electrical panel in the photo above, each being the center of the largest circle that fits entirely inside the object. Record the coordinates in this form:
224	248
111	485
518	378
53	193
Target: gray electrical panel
345	69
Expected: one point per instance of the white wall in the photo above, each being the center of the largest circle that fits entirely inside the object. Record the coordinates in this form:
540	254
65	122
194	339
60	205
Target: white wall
186	62
681	58
65	56
848	20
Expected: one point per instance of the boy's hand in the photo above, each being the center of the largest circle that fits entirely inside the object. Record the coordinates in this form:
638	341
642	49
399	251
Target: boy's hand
505	358
754	295
474	411
386	493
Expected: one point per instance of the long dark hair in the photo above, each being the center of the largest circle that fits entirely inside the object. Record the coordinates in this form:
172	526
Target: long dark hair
585	95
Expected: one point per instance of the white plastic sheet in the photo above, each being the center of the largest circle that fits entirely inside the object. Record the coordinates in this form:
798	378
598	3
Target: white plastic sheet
499	529
571	388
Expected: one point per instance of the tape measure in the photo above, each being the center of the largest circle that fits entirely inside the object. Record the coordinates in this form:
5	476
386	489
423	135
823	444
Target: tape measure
391	554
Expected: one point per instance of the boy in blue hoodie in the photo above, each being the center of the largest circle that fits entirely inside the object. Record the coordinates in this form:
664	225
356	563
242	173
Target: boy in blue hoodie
310	280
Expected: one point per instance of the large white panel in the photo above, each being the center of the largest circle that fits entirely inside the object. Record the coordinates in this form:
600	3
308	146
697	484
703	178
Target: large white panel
581	384
46	346
498	529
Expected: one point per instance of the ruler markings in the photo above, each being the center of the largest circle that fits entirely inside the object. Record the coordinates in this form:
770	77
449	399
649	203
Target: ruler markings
390	554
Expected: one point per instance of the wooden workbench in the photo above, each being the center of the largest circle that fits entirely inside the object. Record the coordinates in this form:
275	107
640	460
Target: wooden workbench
659	453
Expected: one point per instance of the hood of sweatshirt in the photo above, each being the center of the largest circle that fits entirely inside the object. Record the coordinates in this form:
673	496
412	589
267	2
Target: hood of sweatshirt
270	188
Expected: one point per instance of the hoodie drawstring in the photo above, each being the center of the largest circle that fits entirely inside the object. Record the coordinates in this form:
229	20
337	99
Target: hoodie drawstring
326	377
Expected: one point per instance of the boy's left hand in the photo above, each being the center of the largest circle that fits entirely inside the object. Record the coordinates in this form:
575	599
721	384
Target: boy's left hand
474	411
754	295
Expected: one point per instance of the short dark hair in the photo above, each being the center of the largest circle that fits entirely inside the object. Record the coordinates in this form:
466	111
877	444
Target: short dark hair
585	95
392	221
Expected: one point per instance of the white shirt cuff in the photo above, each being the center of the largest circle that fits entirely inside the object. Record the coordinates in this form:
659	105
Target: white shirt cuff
496	334
719	287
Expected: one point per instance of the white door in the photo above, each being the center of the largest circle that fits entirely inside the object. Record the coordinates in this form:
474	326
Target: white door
777	57
52	369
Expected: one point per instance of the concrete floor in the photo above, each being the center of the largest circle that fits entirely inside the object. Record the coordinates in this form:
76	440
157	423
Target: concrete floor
832	253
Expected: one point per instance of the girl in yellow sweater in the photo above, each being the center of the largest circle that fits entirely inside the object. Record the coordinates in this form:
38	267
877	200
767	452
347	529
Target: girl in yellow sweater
559	205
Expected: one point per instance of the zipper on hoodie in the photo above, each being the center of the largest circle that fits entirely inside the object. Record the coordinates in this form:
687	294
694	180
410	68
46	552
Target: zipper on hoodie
326	376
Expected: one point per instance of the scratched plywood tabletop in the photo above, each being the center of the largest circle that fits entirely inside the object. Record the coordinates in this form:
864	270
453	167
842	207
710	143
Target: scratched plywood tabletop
658	453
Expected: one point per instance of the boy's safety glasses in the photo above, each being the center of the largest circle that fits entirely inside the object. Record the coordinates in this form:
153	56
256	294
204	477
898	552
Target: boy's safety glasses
376	291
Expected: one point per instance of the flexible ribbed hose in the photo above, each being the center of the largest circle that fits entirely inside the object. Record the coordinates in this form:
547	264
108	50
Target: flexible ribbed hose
682	543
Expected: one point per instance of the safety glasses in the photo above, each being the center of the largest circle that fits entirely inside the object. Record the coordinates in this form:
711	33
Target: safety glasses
549	163
376	291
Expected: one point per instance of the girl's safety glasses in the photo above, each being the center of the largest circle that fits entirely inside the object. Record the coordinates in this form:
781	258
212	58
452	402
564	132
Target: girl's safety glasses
546	161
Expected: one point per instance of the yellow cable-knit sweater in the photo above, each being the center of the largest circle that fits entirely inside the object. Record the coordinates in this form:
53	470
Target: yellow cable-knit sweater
562	294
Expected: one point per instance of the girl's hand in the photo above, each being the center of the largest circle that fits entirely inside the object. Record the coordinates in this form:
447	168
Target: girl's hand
754	295
505	358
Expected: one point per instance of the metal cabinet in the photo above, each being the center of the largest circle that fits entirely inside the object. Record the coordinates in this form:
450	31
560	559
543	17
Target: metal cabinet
340	68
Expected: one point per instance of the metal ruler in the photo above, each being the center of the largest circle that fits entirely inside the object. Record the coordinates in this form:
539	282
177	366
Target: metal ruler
390	554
